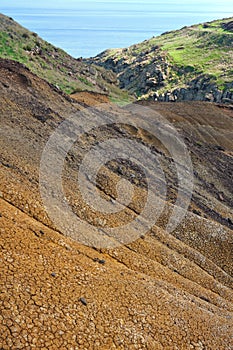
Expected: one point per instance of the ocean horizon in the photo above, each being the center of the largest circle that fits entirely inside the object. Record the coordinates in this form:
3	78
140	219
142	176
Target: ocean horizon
92	27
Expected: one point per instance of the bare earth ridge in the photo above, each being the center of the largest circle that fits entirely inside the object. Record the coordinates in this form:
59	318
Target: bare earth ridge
161	291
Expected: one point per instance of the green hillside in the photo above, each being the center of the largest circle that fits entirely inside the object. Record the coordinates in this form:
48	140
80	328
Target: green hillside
196	59
53	64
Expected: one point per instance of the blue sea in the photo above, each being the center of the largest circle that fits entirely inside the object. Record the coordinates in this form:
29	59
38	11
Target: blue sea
84	29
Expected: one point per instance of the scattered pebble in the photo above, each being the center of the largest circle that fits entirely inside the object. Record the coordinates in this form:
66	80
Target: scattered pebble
197	212
205	299
53	274
220	196
83	301
100	261
230	221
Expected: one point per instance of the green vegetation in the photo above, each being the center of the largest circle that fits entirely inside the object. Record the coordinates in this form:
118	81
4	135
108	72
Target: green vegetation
156	66
53	64
206	49
85	81
122	99
199	50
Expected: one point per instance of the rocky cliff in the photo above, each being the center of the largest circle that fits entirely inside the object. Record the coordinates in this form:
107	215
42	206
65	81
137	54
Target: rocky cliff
194	63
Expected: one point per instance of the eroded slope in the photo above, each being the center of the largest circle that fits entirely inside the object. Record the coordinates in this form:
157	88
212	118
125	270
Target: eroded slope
162	291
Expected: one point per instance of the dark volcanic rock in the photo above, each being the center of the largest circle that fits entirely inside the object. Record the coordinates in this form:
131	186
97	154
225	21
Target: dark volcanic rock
228	26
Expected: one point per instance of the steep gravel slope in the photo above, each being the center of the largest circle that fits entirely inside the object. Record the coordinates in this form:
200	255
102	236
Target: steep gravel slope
160	291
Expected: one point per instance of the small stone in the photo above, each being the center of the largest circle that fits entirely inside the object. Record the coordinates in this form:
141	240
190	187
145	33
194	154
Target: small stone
230	221
102	261
197	212
205	299
83	301
53	274
120	170
219	148
220	196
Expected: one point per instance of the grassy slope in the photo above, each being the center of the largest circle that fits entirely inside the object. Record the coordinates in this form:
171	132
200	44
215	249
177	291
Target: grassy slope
191	51
202	50
53	64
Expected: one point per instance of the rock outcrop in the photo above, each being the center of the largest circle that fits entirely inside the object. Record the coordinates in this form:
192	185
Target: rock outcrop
194	63
202	88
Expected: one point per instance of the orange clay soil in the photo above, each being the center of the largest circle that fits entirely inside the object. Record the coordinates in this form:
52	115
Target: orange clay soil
161	291
88	98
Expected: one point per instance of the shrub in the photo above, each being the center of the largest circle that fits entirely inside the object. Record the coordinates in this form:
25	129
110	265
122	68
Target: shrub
25	36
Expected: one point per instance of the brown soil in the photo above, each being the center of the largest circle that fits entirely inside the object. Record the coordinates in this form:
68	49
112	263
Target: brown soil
90	98
162	291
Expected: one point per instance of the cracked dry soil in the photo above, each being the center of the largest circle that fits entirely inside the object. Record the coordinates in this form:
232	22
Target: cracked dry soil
162	291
